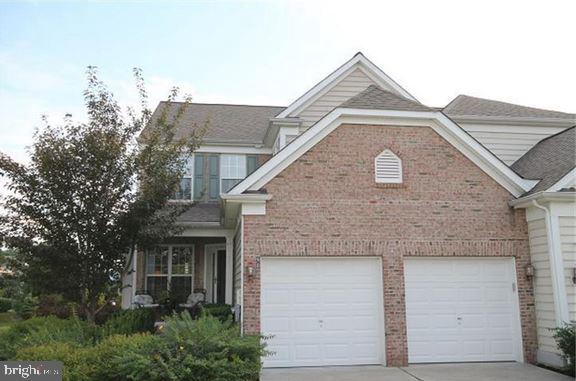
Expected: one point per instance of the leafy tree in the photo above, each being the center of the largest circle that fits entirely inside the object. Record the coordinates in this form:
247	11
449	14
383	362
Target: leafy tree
93	191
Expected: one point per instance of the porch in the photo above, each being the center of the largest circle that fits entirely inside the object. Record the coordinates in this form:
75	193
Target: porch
197	261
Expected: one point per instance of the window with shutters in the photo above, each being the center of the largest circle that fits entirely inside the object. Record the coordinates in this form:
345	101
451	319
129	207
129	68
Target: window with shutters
184	191
388	168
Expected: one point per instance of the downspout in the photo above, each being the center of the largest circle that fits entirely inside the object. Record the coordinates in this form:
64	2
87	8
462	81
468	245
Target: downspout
556	266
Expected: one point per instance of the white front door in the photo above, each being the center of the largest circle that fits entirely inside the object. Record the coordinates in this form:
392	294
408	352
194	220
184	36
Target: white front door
463	309
322	311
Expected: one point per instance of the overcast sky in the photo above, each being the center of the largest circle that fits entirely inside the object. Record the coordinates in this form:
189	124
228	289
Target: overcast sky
264	52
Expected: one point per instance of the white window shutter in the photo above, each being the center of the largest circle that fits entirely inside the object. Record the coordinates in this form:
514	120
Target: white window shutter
388	168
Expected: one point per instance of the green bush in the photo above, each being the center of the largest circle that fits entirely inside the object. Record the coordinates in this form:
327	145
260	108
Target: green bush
25	306
76	361
44	330
126	322
5	304
53	305
195	350
223	312
566	341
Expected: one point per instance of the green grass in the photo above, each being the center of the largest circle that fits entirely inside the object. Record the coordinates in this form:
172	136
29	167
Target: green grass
6	320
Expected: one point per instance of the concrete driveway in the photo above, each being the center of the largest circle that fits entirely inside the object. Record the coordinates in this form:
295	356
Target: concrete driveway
433	372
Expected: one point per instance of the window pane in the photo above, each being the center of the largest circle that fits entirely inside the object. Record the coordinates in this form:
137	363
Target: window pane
156	286
157	261
233	166
182	260
184	191
228	184
181	288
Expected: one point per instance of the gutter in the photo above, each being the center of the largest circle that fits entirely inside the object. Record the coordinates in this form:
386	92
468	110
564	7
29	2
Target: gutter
561	315
527	201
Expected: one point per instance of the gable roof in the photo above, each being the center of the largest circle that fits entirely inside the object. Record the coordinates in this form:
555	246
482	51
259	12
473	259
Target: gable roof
436	120
376	98
357	61
467	106
550	160
239	124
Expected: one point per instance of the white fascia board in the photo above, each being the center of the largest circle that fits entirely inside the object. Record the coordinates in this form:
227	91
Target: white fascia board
436	120
330	81
564	182
234	149
543	197
246	198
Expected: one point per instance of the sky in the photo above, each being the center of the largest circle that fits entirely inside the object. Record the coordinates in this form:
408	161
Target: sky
271	52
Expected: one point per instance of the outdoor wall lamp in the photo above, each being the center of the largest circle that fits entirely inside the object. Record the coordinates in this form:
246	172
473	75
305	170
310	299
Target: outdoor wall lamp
529	272
574	275
250	271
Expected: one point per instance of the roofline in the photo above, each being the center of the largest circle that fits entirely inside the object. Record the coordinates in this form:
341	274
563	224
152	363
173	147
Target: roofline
445	127
543	122
543	196
358	58
569	177
221	104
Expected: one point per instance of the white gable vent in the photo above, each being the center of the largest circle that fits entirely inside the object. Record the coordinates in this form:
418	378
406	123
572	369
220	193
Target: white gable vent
388	168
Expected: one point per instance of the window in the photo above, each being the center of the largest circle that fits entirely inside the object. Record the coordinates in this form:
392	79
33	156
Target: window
184	191
388	168
232	171
170	268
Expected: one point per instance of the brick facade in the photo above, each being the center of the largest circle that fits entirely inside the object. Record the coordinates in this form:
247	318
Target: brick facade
327	203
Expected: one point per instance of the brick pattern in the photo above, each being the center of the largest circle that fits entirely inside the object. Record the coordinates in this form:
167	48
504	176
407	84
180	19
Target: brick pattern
327	204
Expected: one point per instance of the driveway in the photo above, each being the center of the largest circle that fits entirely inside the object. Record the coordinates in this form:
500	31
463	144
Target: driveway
434	372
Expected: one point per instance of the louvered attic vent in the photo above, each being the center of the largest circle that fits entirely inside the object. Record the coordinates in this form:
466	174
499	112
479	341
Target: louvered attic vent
388	168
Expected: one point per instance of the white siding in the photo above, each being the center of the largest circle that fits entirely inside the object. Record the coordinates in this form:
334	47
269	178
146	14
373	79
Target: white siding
542	284
509	143
568	240
348	87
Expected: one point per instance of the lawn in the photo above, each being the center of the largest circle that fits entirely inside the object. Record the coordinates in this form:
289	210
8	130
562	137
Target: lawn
6	320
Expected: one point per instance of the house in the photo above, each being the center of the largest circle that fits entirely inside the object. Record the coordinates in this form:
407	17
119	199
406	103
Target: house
359	226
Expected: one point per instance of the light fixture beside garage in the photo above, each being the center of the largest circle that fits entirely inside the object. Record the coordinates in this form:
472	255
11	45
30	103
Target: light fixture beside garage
529	272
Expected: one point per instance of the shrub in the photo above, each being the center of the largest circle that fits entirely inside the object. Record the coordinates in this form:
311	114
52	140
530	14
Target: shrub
223	312
194	350
53	304
127	322
566	341
25	306
77	363
5	304
44	330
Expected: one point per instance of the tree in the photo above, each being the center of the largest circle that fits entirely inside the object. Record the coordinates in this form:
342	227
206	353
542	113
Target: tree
93	191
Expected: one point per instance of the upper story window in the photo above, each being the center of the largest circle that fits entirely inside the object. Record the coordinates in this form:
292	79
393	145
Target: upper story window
388	168
208	174
232	170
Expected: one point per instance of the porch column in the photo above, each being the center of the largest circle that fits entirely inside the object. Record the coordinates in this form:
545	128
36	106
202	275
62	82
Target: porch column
229	268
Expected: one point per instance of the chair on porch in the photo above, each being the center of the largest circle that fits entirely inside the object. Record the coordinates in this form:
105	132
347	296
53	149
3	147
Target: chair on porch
194	301
144	301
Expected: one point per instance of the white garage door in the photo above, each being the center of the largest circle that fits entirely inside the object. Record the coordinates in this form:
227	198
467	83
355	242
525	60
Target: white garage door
322	311
462	310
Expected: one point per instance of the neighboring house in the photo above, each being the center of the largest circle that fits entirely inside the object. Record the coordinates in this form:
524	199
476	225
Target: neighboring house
359	226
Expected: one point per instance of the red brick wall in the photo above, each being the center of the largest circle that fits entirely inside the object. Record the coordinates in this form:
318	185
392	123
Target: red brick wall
327	204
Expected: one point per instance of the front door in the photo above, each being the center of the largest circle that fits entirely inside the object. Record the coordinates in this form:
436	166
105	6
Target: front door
216	273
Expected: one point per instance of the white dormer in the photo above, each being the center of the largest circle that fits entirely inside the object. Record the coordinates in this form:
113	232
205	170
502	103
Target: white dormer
388	168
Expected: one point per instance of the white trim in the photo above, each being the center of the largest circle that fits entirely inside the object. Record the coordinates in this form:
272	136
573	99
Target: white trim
561	310
210	249
450	131
526	202
358	61
169	274
241	301
234	149
564	182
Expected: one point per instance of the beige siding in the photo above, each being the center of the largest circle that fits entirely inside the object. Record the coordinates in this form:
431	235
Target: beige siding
509	143
237	264
568	241
348	87
542	285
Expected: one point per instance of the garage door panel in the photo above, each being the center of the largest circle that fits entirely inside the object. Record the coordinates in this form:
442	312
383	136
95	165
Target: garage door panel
467	315
334	307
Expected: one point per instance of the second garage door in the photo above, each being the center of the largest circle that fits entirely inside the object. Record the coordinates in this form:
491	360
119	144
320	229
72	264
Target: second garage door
322	311
462	310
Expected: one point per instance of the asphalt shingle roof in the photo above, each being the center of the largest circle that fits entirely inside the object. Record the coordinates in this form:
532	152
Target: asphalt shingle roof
464	105
549	160
376	98
226	123
201	213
